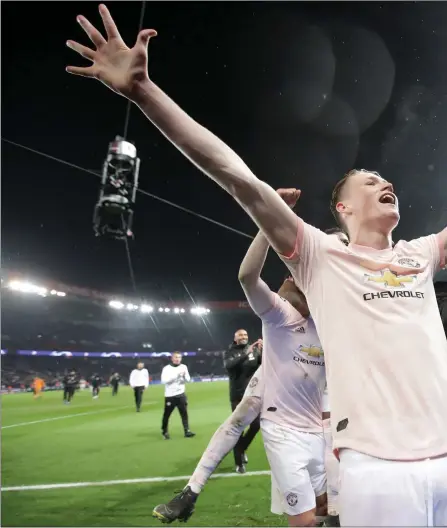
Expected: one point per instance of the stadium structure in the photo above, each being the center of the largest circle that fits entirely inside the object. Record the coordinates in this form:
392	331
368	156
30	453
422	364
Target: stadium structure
48	327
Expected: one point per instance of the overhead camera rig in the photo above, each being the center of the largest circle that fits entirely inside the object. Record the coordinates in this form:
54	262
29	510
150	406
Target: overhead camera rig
114	210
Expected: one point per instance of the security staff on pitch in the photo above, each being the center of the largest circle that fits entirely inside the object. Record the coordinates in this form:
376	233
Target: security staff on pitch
174	376
241	361
139	381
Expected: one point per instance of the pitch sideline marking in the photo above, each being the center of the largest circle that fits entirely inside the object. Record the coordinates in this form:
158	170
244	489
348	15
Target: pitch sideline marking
66	485
67	416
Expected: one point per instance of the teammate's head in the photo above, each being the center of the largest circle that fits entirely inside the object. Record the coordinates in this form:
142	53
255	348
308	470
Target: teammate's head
241	337
364	199
176	358
290	291
339	233
140	366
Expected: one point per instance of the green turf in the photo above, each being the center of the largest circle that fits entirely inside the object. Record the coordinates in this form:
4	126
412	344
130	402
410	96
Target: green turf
114	443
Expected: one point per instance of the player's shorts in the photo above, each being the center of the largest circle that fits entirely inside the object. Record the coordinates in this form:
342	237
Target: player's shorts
376	492
255	388
325	401
297	463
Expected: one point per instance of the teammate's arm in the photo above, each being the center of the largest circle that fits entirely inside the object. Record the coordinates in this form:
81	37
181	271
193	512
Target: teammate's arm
258	294
124	71
187	376
256	290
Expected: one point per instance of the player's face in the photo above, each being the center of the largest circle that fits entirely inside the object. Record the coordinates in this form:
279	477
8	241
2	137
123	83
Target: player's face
176	359
368	199
241	337
140	365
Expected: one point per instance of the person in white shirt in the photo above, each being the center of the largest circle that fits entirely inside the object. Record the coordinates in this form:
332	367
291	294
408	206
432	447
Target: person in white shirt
139	381
174	377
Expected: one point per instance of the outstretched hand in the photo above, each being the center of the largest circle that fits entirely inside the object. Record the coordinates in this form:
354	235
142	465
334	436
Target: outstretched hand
290	196
122	69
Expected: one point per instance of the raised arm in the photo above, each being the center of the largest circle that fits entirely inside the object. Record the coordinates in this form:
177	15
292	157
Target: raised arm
124	71
256	290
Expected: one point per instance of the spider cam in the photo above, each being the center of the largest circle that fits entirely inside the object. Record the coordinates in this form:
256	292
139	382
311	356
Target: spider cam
113	213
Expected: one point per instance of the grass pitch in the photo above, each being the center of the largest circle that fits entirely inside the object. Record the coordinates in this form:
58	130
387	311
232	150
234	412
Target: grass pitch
47	443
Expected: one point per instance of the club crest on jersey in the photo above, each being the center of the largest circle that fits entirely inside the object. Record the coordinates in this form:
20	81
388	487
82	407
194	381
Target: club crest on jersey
390	279
312	351
253	382
292	499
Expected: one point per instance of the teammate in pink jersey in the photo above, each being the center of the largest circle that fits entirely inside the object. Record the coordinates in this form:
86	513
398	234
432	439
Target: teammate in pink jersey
291	417
374	304
182	506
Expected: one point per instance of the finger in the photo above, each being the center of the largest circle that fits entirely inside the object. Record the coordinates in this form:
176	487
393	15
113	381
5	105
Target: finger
93	34
83	72
145	35
85	52
109	23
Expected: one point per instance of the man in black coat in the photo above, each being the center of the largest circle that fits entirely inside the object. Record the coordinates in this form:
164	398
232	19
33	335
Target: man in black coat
241	361
70	383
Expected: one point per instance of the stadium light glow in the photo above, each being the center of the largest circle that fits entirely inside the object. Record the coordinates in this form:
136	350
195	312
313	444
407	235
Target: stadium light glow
160	309
199	310
58	293
27	287
145	308
131	307
176	310
182	310
118	305
167	310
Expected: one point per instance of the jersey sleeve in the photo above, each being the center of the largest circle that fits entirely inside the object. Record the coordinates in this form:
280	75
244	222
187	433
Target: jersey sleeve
430	248
282	313
304	260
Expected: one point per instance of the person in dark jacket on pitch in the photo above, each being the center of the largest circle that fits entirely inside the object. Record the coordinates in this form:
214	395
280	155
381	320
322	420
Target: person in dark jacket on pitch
241	361
115	383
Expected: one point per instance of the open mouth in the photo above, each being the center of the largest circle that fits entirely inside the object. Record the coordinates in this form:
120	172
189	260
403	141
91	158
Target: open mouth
388	198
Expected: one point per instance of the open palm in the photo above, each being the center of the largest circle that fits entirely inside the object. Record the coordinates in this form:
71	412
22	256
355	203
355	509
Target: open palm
120	68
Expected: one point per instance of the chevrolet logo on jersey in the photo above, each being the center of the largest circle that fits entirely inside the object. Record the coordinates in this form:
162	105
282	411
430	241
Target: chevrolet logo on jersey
395	286
312	351
391	280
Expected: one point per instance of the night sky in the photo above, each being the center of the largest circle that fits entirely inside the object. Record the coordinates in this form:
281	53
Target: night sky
302	91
